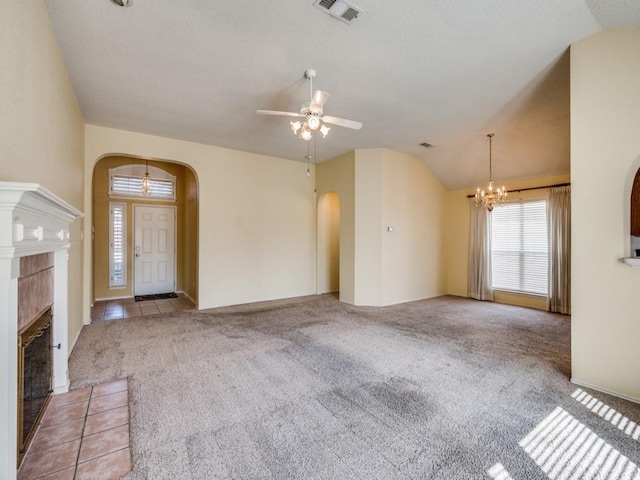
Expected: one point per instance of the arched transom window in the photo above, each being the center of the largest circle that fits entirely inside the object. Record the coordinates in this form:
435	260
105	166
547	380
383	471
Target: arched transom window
126	181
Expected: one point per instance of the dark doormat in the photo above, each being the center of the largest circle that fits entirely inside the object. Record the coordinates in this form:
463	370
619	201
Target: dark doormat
157	296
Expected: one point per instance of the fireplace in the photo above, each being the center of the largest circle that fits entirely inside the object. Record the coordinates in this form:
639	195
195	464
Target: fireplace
34	303
35	372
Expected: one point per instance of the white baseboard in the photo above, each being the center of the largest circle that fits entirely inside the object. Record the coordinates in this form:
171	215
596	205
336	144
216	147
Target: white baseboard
63	389
73	344
106	299
604	390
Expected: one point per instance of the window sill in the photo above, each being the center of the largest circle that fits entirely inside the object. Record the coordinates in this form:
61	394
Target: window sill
632	261
519	299
524	294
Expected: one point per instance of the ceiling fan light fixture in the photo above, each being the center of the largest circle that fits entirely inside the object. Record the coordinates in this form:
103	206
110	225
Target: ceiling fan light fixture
313	122
295	127
311	113
305	133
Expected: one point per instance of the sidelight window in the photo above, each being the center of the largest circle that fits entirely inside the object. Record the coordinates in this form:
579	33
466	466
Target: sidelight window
117	239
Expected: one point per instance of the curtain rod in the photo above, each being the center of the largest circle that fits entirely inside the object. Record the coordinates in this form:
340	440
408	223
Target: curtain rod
532	188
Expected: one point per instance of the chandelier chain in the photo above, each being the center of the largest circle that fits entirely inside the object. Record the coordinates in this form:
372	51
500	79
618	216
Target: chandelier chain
490	135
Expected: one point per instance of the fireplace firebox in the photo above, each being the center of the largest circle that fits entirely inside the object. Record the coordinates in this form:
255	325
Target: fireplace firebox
35	372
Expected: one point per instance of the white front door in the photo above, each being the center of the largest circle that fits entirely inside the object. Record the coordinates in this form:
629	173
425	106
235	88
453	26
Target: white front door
154	250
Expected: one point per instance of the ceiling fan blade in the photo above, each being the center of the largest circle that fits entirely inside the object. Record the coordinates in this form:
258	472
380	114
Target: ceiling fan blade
318	100
342	122
273	112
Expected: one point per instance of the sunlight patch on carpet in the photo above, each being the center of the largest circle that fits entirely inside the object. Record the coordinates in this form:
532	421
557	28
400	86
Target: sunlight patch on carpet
565	449
498	472
629	427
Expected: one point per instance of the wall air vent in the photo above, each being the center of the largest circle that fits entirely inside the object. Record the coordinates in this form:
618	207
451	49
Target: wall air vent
339	9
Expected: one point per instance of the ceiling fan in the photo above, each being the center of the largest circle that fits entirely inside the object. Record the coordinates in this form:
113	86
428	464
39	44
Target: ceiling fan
311	113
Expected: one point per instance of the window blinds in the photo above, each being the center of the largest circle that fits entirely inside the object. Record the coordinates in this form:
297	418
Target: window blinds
132	186
117	245
519	247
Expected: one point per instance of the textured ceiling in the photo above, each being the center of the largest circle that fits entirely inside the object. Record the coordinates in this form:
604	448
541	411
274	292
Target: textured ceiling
412	71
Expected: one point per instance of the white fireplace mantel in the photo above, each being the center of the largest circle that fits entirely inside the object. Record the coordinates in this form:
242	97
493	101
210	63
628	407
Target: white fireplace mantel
39	220
32	221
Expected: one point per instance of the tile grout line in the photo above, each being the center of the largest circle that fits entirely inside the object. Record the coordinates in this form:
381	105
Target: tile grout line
84	424
84	418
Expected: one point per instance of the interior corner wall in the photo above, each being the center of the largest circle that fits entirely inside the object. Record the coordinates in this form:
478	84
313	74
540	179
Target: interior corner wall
408	263
368	226
338	175
256	221
41	142
605	155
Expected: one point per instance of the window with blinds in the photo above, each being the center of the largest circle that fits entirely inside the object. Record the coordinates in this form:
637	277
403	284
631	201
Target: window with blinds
131	186
117	239
519	247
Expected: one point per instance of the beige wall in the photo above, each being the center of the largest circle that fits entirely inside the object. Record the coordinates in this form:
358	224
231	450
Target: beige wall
397	190
256	221
368	226
186	228
41	141
41	124
457	234
605	155
338	175
413	255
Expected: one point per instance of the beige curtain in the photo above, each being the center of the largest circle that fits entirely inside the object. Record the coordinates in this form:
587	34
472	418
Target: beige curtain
480	254
559	228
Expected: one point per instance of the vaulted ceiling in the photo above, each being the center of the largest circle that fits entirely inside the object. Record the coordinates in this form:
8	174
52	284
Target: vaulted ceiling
413	71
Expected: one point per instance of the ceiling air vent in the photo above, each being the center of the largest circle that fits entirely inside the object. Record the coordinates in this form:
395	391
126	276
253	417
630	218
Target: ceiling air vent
426	145
340	9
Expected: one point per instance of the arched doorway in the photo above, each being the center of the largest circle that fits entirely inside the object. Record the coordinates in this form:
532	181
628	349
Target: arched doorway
329	243
113	263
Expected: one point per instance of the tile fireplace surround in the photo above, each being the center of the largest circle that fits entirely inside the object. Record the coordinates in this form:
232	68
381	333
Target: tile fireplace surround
33	221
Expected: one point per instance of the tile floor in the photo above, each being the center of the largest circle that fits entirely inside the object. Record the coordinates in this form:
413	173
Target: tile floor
84	434
128	307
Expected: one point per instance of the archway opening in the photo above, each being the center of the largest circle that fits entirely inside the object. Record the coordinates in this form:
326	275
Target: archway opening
329	243
113	263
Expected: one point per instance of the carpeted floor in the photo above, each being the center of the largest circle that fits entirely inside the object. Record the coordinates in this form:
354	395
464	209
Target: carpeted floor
306	388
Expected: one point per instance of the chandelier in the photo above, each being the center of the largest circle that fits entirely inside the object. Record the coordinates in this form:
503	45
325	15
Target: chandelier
492	197
146	181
